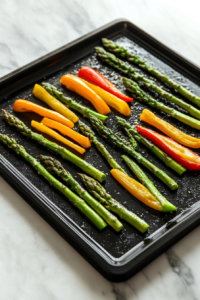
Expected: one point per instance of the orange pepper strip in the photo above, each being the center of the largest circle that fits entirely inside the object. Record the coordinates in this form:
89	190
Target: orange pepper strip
43	95
56	136
136	189
170	130
26	106
75	84
113	101
79	138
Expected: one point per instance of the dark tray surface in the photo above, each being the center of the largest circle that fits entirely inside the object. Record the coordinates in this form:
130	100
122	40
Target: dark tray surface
116	244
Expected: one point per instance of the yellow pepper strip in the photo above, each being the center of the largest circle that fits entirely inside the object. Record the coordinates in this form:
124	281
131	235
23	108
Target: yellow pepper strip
42	128
22	105
136	189
79	138
177	135
43	95
182	151
75	84
113	101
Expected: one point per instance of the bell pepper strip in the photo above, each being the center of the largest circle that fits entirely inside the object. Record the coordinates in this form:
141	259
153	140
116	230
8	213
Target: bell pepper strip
44	129
72	104
79	138
185	157
177	135
166	206
169	162
136	189
42	94
96	78
113	101
75	84
27	106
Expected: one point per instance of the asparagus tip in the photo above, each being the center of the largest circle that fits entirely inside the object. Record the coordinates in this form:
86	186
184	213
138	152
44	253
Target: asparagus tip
104	40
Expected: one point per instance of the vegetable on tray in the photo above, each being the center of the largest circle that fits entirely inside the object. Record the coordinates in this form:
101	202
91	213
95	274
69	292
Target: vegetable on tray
143	97
85	111
187	158
112	47
75	84
23	129
166	206
42	94
96	78
44	129
153	148
74	199
21	105
116	140
118	64
79	138
136	189
93	139
113	101
97	190
177	135
54	167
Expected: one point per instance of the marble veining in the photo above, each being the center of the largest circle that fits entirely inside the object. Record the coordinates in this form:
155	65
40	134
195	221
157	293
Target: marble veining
180	268
35	262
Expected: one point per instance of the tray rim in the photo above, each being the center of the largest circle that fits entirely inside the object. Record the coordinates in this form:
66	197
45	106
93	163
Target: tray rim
93	32
116	269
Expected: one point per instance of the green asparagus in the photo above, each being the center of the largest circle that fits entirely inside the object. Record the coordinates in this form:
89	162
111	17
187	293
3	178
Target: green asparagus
23	129
74	199
93	139
153	148
54	167
70	103
96	189
166	206
114	139
131	139
112	47
113	61
139	94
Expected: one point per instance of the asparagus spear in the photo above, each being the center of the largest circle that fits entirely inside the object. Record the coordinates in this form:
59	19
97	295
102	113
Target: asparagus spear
96	189
143	97
118	64
111	46
157	151
93	139
74	199
114	139
23	129
131	139
70	103
54	167
166	206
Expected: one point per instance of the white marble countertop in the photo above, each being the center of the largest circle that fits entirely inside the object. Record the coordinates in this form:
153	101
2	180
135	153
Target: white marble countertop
35	262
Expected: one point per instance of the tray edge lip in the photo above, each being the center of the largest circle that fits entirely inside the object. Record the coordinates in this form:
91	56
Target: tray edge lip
174	52
89	34
65	46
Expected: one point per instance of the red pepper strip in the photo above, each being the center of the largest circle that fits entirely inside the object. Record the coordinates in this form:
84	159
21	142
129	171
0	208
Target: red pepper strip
185	157
96	78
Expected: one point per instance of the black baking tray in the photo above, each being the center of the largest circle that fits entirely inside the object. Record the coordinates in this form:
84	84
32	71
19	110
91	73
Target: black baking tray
116	255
